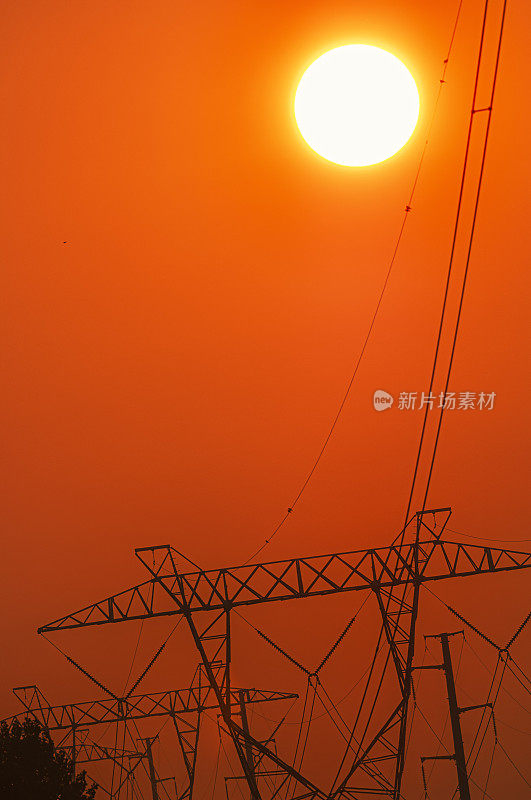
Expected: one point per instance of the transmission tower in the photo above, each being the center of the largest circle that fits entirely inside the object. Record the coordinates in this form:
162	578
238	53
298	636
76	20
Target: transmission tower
455	712
394	575
86	751
183	706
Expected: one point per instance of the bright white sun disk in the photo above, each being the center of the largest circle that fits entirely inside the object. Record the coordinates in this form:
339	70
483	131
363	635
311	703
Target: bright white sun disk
357	105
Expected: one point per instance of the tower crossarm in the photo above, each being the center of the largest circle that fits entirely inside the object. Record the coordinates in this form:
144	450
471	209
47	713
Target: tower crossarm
169	592
92	751
142	706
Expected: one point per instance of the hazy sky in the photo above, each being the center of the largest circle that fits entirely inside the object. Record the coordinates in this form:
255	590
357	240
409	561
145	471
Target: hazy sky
186	287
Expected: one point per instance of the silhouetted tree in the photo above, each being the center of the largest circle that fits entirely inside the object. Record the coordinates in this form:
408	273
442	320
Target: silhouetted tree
32	769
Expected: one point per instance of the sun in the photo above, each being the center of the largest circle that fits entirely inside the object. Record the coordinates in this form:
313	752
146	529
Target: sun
357	105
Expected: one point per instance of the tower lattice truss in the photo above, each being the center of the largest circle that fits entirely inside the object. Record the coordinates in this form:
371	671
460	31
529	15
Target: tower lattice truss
395	577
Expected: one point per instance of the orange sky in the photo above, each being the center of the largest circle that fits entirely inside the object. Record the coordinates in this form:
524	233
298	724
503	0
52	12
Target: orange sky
171	370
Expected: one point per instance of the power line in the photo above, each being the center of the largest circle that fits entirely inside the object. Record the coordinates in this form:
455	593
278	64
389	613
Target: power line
444	308
486	538
405	216
502	748
134	655
81	669
155	657
474	111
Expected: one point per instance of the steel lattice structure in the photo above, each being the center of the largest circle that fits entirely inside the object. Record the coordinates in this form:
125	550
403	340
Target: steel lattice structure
394	574
183	706
83	751
86	752
169	592
174	703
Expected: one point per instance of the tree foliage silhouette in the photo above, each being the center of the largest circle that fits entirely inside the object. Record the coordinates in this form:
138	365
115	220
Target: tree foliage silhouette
31	767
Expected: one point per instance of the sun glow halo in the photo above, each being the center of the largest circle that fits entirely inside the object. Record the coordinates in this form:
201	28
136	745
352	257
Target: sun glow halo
357	105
